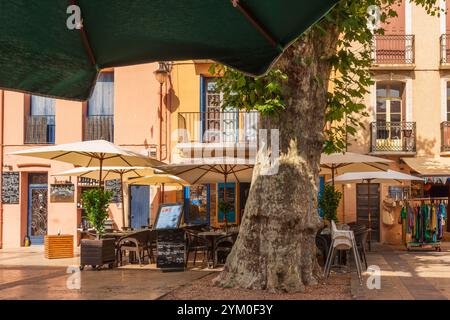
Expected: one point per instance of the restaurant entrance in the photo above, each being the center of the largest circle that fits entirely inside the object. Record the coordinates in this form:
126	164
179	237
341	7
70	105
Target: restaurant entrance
37	207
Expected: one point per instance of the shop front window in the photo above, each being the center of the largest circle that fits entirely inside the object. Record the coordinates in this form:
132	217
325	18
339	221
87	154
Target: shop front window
197	204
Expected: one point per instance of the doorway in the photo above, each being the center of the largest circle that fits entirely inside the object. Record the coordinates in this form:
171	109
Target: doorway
362	212
37	207
139	206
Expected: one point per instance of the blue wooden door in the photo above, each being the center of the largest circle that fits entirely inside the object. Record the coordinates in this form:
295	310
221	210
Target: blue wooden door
37	213
140	206
231	198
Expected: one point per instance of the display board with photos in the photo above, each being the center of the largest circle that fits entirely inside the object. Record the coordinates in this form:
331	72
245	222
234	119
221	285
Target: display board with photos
10	188
62	192
115	186
169	216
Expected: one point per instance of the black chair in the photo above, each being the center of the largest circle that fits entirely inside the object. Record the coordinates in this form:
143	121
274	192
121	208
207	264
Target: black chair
322	245
195	243
152	241
361	240
223	247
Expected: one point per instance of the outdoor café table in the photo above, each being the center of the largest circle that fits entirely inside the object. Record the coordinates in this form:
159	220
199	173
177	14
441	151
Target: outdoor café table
212	236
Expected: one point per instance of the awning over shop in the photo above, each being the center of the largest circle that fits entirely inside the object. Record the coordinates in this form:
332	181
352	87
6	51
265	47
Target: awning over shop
429	167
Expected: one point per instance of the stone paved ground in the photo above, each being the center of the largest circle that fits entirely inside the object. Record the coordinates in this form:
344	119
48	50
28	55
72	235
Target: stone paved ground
42	283
414	275
26	274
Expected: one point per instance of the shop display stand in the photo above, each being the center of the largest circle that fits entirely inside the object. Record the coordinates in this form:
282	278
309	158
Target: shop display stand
424	245
435	245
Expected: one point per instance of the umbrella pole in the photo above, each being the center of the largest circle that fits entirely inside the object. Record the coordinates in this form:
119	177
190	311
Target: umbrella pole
101	173
225	199
370	214
123	199
332	176
162	193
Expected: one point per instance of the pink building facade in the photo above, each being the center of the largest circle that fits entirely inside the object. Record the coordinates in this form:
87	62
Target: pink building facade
131	108
124	109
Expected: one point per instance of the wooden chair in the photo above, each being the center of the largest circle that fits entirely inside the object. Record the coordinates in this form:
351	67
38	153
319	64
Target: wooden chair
136	243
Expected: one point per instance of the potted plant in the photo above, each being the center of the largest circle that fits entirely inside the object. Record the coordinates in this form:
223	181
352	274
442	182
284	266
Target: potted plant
99	251
225	207
329	203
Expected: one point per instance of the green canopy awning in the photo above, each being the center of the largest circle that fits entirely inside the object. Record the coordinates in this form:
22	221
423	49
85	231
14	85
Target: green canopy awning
40	55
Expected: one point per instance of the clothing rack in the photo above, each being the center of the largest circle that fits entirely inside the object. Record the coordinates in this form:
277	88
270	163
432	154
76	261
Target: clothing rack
435	244
428	199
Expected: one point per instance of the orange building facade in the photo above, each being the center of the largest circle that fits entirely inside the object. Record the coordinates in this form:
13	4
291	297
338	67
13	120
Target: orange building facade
130	108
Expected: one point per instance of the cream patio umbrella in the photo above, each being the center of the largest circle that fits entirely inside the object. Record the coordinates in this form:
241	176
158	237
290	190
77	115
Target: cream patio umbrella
96	153
350	162
213	170
110	173
161	179
374	177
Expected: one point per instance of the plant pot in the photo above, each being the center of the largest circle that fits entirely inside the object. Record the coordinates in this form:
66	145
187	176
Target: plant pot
97	253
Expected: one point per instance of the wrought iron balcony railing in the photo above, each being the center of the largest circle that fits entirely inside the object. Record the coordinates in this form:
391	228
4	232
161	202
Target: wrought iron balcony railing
99	128
393	49
218	127
40	130
393	136
445	136
445	48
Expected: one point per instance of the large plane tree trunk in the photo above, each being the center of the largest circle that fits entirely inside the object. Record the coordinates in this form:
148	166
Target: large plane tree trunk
275	249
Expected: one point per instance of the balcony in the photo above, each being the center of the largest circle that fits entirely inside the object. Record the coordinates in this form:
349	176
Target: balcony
393	137
445	137
445	51
99	128
393	52
218	127
40	130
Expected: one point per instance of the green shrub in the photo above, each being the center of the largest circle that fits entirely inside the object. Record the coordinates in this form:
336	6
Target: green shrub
96	202
329	203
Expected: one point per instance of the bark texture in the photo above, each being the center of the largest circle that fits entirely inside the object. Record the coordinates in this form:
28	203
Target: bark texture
276	250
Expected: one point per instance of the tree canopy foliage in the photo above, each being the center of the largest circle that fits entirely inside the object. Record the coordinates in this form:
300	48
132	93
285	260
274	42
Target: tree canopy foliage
348	83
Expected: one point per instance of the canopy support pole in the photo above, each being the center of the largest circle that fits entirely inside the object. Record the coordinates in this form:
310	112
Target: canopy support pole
258	25
86	43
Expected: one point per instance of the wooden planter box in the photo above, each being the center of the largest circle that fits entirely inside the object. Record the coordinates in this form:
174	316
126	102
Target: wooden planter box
96	253
58	246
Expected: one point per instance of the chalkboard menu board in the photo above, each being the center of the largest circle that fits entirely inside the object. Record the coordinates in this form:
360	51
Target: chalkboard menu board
10	188
171	247
115	187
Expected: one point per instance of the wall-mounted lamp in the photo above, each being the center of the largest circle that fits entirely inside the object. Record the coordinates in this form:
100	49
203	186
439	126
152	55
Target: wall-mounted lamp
162	73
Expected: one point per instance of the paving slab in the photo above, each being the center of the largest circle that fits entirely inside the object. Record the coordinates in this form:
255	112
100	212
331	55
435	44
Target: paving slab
406	275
